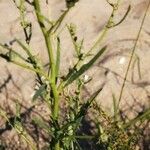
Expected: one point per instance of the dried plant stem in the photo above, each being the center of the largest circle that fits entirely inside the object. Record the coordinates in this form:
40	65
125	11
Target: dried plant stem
132	54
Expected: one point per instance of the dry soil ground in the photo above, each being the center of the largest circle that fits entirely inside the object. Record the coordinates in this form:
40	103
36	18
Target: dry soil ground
90	16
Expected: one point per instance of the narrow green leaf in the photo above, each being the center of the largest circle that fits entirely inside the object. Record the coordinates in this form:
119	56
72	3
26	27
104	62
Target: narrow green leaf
115	107
18	109
25	48
58	22
86	106
87	137
32	59
57	58
40	123
84	68
39	92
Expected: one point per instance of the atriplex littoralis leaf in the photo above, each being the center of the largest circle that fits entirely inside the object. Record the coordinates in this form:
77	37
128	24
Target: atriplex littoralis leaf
85	67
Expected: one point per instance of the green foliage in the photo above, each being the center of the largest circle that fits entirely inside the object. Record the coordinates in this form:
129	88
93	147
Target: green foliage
76	74
40	92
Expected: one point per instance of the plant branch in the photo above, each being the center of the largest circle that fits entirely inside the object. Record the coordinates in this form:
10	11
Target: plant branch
132	54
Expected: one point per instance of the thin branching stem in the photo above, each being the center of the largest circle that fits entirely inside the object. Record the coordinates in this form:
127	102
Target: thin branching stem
48	41
47	38
106	28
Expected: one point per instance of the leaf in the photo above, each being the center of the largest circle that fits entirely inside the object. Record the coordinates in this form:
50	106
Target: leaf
18	109
85	67
58	22
57	58
86	106
25	48
87	137
41	124
32	59
39	92
115	107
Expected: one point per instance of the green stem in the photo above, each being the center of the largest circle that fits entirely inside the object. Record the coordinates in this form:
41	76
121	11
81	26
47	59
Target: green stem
45	34
53	85
47	38
105	30
31	69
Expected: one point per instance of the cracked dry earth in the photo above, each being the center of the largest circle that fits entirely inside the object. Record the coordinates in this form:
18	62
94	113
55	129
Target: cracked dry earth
90	17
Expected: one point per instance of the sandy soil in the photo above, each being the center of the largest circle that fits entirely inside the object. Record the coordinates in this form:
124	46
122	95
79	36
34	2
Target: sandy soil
89	17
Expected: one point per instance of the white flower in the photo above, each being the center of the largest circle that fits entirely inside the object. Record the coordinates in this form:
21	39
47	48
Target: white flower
86	78
122	60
